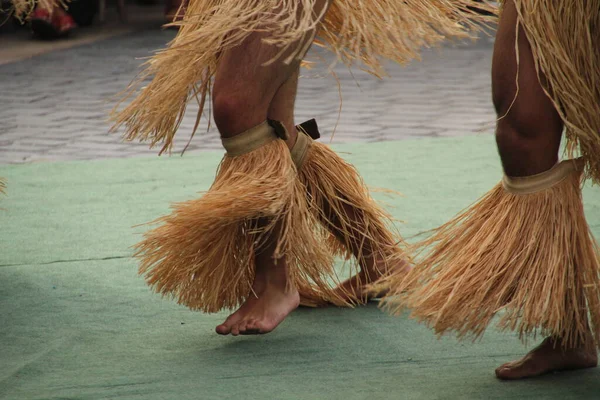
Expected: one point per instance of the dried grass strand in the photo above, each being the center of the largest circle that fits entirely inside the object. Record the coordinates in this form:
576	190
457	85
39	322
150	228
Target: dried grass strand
532	258
22	9
338	197
202	254
364	33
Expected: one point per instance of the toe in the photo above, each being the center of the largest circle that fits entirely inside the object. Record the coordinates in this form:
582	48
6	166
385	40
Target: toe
507	373
505	370
521	369
251	327
503	373
251	323
262	327
223	329
242	326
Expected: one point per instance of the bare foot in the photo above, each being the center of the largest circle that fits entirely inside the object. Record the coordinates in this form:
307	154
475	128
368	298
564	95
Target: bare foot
225	327
268	311
262	314
358	289
548	358
272	299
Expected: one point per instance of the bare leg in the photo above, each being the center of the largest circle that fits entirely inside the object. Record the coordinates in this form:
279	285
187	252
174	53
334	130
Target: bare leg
244	90
273	297
528	139
372	264
282	107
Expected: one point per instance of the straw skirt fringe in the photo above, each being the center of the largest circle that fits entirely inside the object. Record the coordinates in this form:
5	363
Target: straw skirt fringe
531	258
23	8
203	253
338	198
363	33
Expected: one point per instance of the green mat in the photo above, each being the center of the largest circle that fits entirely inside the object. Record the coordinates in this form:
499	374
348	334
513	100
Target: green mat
76	322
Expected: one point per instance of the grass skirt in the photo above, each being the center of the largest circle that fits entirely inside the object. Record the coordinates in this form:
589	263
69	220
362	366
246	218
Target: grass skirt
365	33
530	257
349	217
203	253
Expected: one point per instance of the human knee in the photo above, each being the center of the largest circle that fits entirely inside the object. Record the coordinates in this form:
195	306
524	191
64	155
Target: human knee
526	142
509	140
226	111
524	111
520	130
521	120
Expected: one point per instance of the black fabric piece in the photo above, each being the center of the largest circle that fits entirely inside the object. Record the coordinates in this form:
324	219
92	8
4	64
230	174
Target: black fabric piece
279	129
311	128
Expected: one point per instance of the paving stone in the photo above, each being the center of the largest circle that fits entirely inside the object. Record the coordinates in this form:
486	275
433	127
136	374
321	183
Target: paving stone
55	106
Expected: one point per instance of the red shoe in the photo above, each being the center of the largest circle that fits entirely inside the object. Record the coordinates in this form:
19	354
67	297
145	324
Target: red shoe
64	24
47	27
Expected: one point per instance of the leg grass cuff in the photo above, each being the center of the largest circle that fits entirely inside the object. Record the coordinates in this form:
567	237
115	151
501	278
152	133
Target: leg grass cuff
537	183
253	138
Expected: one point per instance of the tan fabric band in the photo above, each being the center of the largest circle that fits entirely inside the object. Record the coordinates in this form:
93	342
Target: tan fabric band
536	183
300	149
249	140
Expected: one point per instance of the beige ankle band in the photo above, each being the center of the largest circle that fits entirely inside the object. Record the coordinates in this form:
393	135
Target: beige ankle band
300	148
249	140
536	183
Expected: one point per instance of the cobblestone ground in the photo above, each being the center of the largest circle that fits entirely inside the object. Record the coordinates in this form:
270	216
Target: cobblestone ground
54	106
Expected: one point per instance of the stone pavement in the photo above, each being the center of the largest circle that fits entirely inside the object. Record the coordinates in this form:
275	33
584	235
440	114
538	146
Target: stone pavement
17	44
54	106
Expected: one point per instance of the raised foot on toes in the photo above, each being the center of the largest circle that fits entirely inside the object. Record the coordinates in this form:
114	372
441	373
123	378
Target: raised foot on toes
357	290
548	357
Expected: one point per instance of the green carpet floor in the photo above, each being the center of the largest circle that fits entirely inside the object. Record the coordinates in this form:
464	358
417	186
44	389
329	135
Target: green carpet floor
76	322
